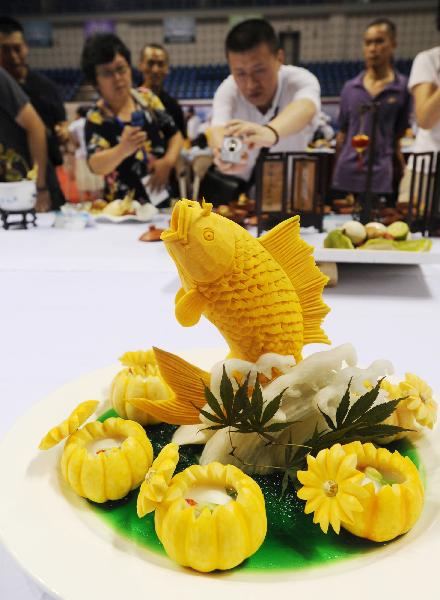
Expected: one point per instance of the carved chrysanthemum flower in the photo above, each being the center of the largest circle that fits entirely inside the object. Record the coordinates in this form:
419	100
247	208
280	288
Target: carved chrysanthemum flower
419	400
331	487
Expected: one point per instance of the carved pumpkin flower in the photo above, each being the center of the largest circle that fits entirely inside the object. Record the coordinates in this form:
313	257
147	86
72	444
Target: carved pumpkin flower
205	533
104	461
419	400
141	382
331	487
394	493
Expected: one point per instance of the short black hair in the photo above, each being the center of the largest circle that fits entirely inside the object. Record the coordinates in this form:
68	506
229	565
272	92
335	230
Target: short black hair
83	109
156	47
249	34
9	25
100	49
387	22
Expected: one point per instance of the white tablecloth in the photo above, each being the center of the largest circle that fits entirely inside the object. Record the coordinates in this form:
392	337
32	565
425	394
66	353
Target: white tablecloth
73	301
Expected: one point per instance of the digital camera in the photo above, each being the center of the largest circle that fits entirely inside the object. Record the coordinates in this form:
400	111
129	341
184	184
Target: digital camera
232	149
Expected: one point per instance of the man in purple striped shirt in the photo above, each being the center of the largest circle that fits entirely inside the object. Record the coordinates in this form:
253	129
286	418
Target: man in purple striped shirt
380	84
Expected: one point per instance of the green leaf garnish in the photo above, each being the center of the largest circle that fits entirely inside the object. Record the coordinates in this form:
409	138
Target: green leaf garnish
344	405
362	420
241	413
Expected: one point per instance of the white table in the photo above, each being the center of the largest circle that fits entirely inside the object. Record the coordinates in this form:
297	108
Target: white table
73	301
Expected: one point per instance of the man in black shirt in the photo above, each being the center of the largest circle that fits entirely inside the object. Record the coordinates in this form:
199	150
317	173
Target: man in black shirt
154	65
43	95
22	139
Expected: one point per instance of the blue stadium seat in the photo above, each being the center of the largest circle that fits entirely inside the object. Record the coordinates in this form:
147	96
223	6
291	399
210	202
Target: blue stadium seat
192	81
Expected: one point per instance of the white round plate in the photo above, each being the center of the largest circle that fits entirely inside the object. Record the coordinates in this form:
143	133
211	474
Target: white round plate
60	541
124	219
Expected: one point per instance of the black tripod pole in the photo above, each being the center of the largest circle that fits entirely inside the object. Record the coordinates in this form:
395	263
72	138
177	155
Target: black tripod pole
367	204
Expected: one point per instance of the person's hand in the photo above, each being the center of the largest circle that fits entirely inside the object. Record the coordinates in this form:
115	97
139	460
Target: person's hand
62	133
227	167
254	135
160	173
132	139
43	203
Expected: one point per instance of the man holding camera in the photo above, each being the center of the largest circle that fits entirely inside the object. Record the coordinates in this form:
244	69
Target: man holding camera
263	103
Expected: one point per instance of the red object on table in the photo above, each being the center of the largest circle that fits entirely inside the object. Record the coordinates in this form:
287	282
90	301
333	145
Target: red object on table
360	142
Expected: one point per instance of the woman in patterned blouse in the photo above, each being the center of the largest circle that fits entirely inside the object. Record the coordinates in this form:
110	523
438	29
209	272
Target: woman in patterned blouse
130	138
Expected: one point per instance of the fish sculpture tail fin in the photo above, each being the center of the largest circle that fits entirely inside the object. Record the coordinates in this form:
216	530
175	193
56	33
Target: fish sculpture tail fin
168	411
188	384
295	257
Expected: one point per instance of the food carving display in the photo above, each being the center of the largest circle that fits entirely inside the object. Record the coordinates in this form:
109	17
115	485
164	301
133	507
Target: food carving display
101	461
376	236
106	473
371	492
151	235
317	426
264	295
114	209
139	379
207	517
78	416
394	489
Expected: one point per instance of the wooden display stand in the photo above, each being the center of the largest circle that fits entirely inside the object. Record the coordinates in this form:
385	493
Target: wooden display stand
424	192
22	222
291	183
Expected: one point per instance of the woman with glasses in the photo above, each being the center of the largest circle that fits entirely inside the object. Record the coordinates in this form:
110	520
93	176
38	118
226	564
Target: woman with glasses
130	138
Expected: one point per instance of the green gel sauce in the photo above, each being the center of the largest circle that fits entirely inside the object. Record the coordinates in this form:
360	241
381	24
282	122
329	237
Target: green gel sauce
292	542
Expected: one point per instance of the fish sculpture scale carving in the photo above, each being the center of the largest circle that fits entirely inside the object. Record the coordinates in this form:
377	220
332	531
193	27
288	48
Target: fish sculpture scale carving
264	295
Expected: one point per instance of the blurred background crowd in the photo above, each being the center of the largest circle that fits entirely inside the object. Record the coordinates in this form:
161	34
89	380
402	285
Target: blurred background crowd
127	99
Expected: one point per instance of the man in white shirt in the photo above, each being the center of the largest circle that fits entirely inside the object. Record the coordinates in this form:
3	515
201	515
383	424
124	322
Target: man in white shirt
424	84
267	103
192	124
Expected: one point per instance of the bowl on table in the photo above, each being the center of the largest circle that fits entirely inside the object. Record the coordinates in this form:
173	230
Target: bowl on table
18	195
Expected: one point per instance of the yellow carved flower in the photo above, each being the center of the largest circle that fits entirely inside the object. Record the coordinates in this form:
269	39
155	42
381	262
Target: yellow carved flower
140	382
394	493
419	400
101	471
401	415
157	480
392	389
331	487
206	535
77	417
140	361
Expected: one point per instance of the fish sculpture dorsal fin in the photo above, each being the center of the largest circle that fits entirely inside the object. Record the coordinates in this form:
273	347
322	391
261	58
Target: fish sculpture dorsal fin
186	380
295	257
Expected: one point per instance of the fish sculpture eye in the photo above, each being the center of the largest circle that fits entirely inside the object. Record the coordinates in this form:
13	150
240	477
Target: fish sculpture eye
208	234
